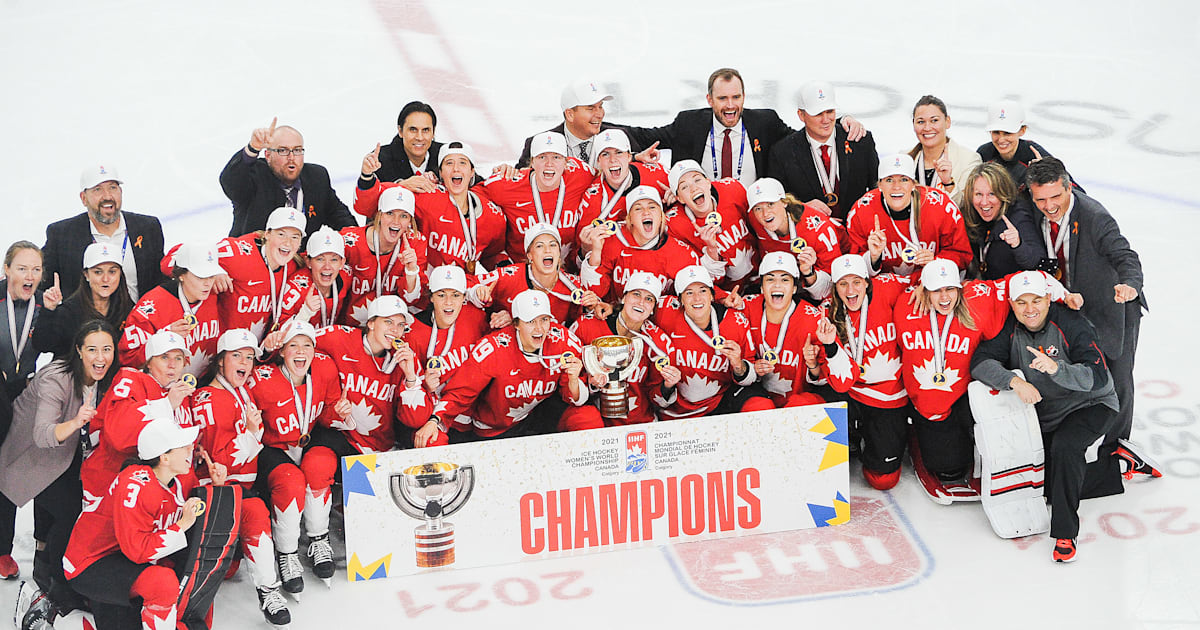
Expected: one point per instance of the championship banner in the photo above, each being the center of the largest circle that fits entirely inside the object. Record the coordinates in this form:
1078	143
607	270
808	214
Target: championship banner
517	499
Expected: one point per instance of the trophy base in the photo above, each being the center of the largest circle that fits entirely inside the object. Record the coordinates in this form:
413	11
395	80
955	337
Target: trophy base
614	405
435	548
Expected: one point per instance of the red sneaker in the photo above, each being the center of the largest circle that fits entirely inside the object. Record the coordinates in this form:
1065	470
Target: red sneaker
1134	463
1064	550
881	481
8	568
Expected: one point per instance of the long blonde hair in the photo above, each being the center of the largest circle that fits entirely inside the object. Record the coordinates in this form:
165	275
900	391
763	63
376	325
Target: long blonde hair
1002	185
960	312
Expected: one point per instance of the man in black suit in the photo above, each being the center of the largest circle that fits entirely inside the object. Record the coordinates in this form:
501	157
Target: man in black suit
819	164
583	118
412	153
139	237
1085	247
257	187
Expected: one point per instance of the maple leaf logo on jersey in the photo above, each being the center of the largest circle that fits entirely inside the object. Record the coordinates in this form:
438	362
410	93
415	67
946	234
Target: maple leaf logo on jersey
203	395
742	263
245	448
263	372
146	308
503	339
594	189
199	363
245	247
812	223
572	166
813	311
359	313
981	289
519	413
880	367
925	373
301	281
365	420
866	199
741	319
555	334
777	385
506	271
696	388
934	195
412	398
141	476
258	327
350	238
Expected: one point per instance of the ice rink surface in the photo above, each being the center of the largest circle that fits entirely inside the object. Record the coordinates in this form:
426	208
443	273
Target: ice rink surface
167	93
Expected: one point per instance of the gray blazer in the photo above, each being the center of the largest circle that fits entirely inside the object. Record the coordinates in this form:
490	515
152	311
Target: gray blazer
31	459
1099	258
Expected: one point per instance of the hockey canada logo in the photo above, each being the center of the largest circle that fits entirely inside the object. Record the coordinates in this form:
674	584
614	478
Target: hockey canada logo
635	452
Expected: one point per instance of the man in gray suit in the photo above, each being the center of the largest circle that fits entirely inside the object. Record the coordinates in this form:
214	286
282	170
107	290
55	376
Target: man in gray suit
1091	257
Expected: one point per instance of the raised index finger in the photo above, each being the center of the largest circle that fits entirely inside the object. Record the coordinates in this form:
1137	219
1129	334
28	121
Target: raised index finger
1035	351
56	280
877	223
271	129
1007	222
376	151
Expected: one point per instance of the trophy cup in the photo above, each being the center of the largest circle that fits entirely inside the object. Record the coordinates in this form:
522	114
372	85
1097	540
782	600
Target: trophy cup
617	357
431	492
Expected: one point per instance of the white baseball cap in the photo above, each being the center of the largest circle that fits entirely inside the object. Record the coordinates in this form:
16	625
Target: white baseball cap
779	261
530	304
447	277
236	339
162	434
690	275
681	168
96	175
326	240
608	139
583	93
767	189
463	149
897	164
939	274
297	328
97	253
646	281
163	342
640	193
285	217
817	97
199	259
397	198
386	306
538	229
1006	116
1028	282
548	142
849	265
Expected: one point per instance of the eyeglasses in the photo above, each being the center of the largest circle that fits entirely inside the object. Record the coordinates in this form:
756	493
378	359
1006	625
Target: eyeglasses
298	151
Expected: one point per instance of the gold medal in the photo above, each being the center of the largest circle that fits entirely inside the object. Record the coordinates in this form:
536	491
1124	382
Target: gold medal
862	372
566	355
908	255
434	363
471	266
770	356
939	378
718	342
798	244
398	343
713	218
831	199
662	362
190	320
597	223
610	227
577	296
189	379
198	508
304	440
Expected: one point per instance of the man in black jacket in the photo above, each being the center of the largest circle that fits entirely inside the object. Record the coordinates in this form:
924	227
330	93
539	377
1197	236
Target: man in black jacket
583	117
1064	374
139	237
257	187
412	153
819	164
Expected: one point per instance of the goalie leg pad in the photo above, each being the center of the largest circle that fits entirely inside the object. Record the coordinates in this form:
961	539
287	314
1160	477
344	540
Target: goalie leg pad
1009	439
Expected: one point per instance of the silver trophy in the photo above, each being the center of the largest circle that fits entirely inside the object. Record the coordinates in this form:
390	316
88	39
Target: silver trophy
616	357
431	492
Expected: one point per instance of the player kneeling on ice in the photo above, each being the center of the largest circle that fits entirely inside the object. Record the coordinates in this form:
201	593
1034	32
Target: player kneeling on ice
1064	374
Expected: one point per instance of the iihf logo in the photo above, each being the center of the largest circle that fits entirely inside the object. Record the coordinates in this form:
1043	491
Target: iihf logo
896	164
820	95
103	171
592	87
635	452
1002	115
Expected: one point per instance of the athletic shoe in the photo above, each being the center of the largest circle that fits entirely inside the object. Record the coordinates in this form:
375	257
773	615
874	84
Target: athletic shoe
274	607
8	568
1064	550
321	555
40	616
1133	463
290	572
27	592
881	481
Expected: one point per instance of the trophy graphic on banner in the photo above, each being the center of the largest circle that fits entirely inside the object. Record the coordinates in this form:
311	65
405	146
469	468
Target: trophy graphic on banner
432	492
616	357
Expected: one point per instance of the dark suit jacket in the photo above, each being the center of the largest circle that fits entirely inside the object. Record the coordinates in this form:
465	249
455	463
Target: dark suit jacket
523	161
1099	258
66	240
393	161
791	162
687	135
255	193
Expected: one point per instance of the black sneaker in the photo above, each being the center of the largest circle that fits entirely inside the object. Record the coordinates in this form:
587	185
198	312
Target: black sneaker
273	606
1064	550
1133	463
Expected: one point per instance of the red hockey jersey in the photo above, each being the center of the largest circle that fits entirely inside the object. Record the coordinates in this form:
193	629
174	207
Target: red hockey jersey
603	203
455	239
737	243
254	302
333	309
221	415
158	309
369	271
787	344
706	374
941	230
868	367
289	414
558	207
620	257
451	346
509	281
817	231
645	385
499	385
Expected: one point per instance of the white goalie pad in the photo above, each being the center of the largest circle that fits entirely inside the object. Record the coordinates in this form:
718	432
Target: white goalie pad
1009	440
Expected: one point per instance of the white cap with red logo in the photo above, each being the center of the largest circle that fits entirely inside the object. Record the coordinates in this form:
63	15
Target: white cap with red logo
530	304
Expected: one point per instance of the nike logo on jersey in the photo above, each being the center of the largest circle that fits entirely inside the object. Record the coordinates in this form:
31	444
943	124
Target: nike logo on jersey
522	204
348	359
357	268
282	403
913	316
890	459
444	220
514	372
252	283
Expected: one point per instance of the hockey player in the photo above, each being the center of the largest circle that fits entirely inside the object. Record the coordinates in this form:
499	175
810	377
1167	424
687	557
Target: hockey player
297	392
442	336
463	226
231	432
115	549
783	224
785	323
616	175
641	244
318	294
258	268
919	223
1064	373
708	213
134	398
507	386
386	257
549	191
652	384
714	351
185	305
542	271
863	363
